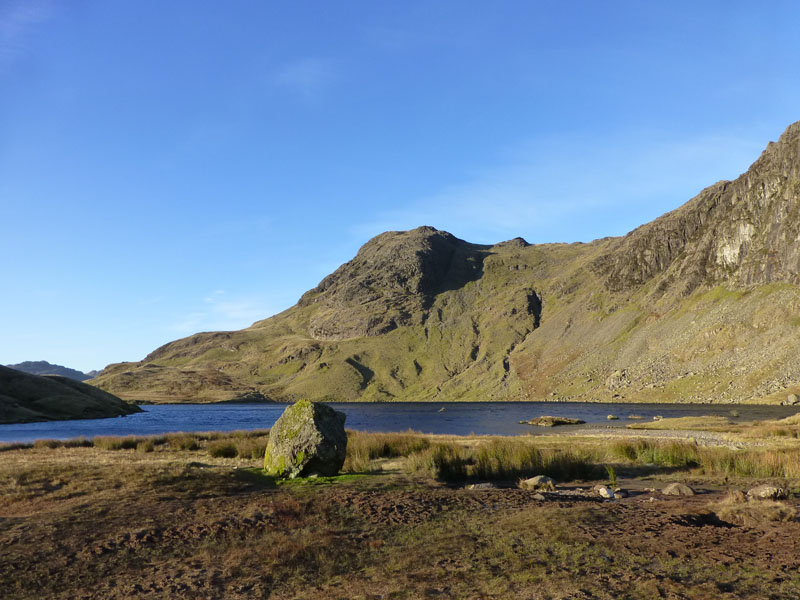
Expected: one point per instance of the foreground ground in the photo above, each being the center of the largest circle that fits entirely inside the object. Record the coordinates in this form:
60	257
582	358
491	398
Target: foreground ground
166	521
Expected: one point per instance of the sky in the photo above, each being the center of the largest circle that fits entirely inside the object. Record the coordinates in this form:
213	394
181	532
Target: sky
174	167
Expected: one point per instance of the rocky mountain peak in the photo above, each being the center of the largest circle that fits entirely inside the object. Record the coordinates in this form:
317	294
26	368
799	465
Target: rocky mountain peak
391	282
740	232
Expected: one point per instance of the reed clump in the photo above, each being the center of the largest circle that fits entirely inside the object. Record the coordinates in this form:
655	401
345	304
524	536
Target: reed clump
362	448
666	454
503	460
222	449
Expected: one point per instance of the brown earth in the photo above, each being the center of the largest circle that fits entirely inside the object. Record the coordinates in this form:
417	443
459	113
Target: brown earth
84	523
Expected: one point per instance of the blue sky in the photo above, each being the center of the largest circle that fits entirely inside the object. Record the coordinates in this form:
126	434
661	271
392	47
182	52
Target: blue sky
174	167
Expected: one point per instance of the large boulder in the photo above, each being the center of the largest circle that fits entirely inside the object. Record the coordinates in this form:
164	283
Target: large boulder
307	439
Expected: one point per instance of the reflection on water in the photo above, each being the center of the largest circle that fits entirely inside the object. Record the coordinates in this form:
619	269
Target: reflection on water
459	418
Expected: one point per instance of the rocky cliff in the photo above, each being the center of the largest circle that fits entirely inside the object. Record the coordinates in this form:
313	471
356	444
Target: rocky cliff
701	304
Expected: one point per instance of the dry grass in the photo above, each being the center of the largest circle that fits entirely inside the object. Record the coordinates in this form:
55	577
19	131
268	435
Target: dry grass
736	508
189	525
365	448
502	460
707	423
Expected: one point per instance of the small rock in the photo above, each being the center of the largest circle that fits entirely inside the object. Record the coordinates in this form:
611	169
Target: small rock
792	399
657	418
767	491
539	497
540	482
482	486
604	491
612	417
552	421
677	489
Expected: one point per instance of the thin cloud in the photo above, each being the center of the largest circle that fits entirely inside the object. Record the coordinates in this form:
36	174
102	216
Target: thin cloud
220	312
307	77
574	189
17	21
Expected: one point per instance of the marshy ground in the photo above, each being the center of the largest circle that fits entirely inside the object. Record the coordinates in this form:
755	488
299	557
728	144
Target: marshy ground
191	516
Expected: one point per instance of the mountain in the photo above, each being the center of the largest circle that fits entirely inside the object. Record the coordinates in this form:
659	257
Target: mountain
701	304
25	398
42	367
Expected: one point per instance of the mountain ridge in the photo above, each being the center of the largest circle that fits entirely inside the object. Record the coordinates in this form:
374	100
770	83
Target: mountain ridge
701	304
42	367
26	398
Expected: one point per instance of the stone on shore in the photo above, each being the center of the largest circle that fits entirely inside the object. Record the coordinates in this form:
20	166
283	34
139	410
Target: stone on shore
767	491
604	491
540	482
552	421
677	489
307	439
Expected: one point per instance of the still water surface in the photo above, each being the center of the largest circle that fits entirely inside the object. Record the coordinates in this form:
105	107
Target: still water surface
459	418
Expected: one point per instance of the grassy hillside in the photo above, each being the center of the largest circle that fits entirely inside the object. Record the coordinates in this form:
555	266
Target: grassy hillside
25	398
702	304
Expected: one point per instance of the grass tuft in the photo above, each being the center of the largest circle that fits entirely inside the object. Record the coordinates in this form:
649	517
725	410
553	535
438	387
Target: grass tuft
222	449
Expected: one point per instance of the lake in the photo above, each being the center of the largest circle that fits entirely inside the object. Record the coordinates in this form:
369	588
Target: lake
458	418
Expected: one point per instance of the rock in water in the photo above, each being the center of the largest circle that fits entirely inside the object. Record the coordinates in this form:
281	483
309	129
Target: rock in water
308	438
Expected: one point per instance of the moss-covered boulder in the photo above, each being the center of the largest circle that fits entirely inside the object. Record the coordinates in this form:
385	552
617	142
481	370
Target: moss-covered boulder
307	439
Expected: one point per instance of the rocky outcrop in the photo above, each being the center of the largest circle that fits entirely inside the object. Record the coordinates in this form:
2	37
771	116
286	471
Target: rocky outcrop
307	439
390	283
741	232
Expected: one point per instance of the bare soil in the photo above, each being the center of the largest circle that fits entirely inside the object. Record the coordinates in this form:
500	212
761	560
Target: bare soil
85	524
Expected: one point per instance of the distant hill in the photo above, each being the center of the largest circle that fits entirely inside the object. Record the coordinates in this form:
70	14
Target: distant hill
25	398
701	304
42	367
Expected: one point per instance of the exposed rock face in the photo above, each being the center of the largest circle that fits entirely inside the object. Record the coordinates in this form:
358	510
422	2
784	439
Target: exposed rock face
25	398
740	232
307	439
